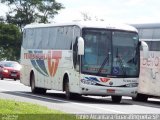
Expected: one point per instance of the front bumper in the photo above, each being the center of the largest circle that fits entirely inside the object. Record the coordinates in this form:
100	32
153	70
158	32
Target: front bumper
108	91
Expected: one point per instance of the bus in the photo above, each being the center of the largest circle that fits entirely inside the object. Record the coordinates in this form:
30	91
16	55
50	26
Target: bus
81	58
149	80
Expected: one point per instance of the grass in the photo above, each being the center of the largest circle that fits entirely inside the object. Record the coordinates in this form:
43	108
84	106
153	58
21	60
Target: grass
10	109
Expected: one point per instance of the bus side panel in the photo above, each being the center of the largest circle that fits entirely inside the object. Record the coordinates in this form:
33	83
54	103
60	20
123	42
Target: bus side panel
48	79
66	67
149	80
26	68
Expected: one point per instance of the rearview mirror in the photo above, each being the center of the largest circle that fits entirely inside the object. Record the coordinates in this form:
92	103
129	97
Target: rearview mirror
145	49
80	46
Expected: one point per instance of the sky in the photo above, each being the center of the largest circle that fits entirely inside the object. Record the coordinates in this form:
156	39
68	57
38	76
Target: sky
123	11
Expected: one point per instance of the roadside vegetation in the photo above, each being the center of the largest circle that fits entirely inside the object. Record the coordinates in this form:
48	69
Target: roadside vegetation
10	109
19	14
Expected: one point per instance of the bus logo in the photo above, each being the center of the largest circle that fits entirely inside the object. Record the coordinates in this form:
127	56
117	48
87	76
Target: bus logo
104	79
53	62
38	61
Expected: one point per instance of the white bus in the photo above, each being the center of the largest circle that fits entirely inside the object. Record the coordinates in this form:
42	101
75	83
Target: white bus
149	80
82	58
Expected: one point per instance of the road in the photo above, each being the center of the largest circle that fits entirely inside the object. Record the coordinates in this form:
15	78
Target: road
10	89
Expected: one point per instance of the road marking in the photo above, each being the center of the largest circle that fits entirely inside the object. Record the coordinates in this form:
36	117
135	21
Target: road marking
80	104
11	82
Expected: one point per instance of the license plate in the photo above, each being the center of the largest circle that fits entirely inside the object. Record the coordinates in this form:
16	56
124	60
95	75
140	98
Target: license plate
110	91
13	75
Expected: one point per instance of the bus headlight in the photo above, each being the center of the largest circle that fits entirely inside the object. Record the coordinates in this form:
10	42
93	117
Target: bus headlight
88	82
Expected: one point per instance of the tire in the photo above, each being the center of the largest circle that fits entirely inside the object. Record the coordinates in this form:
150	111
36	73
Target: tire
34	89
2	78
68	94
116	99
67	90
140	97
14	79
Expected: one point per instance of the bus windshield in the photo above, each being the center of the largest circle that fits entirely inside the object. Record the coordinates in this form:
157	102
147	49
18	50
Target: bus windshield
113	53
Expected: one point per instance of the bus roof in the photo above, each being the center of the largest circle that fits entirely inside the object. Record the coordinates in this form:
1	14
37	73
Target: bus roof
87	24
147	25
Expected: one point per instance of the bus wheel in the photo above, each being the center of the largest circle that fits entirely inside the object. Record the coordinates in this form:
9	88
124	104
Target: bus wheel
140	97
67	90
116	99
35	89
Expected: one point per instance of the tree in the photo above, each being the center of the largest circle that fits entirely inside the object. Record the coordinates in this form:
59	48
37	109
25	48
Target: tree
48	9
1	19
24	12
87	17
10	40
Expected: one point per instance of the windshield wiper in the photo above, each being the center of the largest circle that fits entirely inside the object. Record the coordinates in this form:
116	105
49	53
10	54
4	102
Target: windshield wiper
104	62
122	65
120	61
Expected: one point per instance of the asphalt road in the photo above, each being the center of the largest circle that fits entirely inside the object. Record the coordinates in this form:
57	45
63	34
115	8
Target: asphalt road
10	89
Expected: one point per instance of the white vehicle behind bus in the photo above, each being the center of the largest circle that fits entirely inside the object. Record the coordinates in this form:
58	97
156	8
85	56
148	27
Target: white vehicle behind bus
149	80
81	58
